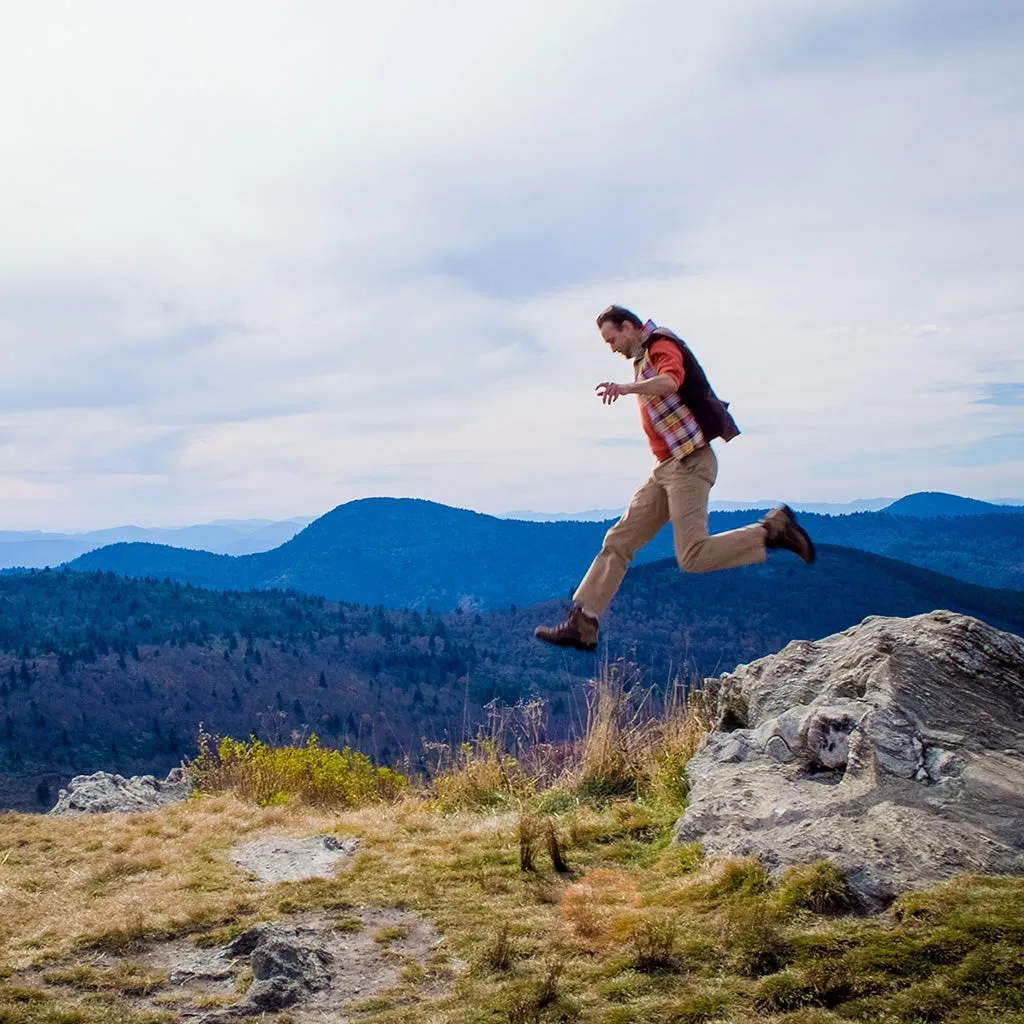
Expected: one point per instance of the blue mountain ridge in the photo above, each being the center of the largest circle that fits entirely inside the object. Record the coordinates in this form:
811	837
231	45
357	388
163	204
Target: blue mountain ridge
407	552
933	504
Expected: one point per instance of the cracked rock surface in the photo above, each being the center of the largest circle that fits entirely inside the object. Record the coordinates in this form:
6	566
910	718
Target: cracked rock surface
895	749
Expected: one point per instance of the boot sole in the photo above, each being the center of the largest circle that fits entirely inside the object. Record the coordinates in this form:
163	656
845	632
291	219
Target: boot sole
577	645
811	553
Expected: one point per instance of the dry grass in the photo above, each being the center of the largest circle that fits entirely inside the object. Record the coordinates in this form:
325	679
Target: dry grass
68	883
644	928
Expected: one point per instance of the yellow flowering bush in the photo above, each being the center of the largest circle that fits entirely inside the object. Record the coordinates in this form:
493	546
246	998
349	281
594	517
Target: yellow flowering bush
311	774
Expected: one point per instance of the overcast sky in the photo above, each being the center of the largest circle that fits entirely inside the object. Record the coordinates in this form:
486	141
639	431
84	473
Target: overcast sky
257	259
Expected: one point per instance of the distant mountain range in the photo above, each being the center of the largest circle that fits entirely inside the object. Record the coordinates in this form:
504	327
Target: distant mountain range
404	552
922	505
102	672
35	548
829	508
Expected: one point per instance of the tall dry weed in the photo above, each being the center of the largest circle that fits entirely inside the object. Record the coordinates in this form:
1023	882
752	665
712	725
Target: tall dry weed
638	740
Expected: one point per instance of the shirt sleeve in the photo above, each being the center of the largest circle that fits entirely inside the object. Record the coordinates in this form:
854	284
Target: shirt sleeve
668	359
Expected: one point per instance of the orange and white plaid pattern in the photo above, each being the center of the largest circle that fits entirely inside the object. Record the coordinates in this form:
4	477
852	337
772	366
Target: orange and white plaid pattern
669	414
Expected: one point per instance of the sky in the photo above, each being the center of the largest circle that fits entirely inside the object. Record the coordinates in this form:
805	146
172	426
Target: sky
258	259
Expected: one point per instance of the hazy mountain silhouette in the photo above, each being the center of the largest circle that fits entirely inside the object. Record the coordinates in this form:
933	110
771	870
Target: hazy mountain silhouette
36	548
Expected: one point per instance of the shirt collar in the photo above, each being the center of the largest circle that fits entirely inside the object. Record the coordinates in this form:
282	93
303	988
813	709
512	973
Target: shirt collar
645	336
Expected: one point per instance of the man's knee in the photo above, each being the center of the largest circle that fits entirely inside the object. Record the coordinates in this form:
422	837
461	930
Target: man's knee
693	559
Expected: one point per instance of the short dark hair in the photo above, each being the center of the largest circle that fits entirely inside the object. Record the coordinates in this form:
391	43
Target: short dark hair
618	315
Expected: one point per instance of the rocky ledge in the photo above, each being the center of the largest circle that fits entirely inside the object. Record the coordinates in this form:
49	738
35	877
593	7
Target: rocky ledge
894	749
102	792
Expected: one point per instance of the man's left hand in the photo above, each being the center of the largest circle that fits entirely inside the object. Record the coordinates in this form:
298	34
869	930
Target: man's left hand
610	392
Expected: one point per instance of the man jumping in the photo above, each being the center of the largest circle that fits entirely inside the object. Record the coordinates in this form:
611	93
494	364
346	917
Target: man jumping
680	414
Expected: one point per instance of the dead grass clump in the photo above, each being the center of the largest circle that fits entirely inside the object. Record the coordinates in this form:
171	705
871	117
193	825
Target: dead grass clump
500	952
685	721
558	862
116	871
540	1001
530	832
527	831
602	908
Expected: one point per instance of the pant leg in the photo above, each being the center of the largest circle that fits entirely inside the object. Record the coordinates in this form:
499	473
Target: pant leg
646	515
687	483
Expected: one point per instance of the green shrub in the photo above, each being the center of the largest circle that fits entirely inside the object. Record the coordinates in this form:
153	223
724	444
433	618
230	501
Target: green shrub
312	774
478	776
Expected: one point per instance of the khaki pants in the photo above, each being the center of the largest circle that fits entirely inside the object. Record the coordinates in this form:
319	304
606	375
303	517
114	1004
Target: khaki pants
677	490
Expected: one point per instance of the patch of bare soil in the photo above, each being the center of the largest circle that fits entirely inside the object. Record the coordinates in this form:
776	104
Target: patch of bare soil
286	859
318	965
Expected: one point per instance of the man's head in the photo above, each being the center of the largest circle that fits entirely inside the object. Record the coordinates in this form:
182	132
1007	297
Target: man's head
620	328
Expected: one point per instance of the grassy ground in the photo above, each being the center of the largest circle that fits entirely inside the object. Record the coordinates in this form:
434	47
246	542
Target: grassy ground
637	930
552	879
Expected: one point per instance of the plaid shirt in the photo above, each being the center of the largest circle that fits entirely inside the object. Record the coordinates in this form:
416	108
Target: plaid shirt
669	415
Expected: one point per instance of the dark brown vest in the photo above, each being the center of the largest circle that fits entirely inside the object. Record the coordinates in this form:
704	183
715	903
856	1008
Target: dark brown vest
711	413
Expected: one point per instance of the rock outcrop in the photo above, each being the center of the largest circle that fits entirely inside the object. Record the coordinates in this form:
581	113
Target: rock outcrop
102	792
895	749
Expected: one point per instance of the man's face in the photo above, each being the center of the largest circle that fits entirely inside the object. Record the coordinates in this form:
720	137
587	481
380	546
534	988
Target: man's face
620	339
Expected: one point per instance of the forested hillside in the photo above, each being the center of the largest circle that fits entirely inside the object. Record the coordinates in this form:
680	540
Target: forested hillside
408	553
99	671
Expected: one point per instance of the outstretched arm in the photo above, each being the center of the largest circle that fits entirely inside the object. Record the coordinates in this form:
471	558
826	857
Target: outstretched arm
658	386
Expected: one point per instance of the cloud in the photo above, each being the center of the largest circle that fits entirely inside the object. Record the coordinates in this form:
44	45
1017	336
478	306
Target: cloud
259	261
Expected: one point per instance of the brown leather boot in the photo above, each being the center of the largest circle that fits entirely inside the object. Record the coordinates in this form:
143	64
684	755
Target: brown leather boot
781	531
579	630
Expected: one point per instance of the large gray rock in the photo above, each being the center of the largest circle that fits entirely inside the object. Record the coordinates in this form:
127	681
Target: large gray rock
895	749
287	965
102	792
